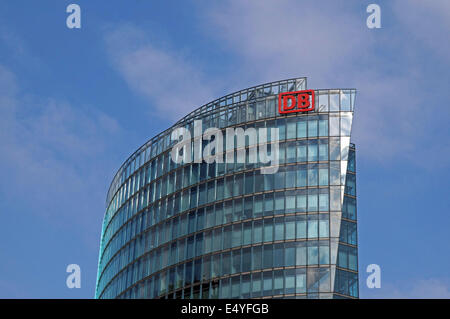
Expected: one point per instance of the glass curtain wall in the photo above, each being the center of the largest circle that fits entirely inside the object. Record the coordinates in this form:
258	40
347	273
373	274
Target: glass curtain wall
225	230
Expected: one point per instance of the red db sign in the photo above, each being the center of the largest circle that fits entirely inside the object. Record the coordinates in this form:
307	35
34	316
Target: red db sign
298	101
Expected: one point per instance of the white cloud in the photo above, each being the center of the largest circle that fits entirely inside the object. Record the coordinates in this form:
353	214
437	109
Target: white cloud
331	45
428	23
52	154
8	86
327	42
18	50
289	38
167	79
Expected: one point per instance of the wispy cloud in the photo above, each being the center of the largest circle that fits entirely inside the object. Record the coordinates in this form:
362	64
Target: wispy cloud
415	289
278	39
427	23
170	82
13	48
52	152
330	43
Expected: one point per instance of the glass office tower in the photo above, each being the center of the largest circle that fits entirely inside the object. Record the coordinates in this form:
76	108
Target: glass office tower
226	230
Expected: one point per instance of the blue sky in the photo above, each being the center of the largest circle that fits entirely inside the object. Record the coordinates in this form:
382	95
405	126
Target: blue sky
74	104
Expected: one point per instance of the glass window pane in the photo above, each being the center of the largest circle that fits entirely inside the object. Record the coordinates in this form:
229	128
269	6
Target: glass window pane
278	255
228	189
312	202
312	175
301	226
279	202
278	282
323	101
335	173
313	253
268	256
312	151
323	202
312	127
301	202
324	282
210	217
245	286
279	178
256	285
226	263
323	150
334	125
249	182
351	161
279	228
323	127
258	206
257	231
236	261
312	226
267	283
334	101
301	127
268	204
268	181
346	125
291	152
236	236
246	260
324	253
247	236
323	176
290	227
228	212
301	151
257	258
217	243
290	202
352	259
268	230
300	254
289	281
237	209
225	288
291	128
345	100
335	149
290	254
290	176
312	280
301	175
335	198
281	123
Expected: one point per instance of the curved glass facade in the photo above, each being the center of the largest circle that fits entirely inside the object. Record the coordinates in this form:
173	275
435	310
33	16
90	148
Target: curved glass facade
226	230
